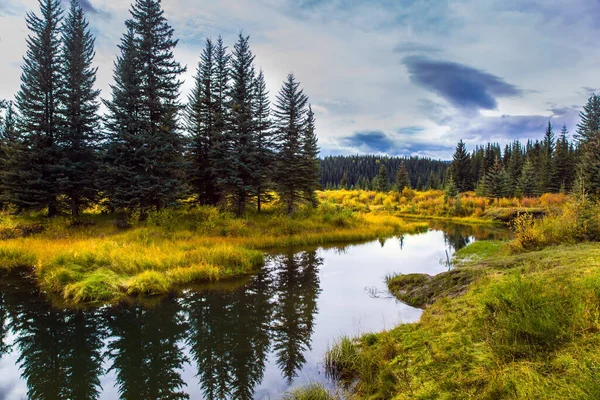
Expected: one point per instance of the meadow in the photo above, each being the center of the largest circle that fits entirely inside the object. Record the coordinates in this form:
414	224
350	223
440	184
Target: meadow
512	320
103	258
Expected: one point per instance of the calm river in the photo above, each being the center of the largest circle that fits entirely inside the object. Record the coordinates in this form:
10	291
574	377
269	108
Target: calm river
251	339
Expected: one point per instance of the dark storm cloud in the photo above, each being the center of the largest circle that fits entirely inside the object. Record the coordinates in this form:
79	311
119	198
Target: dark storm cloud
375	141
461	85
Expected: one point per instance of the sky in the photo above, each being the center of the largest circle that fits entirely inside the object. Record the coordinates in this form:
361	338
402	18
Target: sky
395	77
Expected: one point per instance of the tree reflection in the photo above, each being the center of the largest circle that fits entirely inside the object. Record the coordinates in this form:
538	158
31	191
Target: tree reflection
228	334
59	350
146	356
297	289
229	337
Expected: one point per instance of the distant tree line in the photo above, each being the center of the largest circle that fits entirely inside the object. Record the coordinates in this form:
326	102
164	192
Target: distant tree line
551	165
372	172
227	145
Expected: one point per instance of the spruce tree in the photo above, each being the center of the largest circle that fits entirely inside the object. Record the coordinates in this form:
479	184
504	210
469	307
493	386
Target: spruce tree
241	161
590	167
546	184
497	181
528	185
290	113
380	182
12	151
157	152
562	168
264	141
344	183
201	125
37	102
402	178
121	164
222	143
78	137
461	168
310	164
589	126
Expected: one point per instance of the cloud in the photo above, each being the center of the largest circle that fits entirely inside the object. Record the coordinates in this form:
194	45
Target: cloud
414	47
461	85
369	141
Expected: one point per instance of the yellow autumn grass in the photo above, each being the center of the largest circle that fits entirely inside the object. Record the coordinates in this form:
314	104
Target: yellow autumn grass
95	261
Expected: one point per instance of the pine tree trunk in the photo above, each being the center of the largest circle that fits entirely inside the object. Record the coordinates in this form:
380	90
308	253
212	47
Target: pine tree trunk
258	202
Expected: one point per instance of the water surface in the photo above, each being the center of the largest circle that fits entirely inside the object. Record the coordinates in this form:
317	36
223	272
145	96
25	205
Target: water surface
254	338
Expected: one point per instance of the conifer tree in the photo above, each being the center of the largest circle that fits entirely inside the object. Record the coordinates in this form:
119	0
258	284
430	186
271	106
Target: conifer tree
264	141
241	161
78	137
222	143
590	167
120	162
12	152
589	126
402	178
37	102
546	185
201	124
290	113
344	183
461	168
310	164
497	181
380	182
158	147
562	169
450	190
528	185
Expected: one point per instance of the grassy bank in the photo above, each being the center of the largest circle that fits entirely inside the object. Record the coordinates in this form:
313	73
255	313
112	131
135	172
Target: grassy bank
100	258
517	320
434	204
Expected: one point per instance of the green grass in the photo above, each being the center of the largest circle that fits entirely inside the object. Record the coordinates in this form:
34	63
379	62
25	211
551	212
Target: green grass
314	391
526	327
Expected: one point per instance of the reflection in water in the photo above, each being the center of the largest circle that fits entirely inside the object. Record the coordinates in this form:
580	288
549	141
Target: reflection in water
144	348
297	288
228	337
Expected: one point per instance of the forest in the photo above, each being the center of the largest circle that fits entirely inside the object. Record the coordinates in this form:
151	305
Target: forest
226	145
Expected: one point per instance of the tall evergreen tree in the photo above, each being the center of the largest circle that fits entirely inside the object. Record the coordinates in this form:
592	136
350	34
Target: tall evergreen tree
238	179
380	182
461	168
200	122
37	102
78	137
562	169
528	184
158	148
547	164
290	113
12	153
310	163
264	141
589	126
121	162
222	143
402	178
497	181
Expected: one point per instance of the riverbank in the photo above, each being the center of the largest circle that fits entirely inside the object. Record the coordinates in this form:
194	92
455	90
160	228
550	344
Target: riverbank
102	259
513	320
